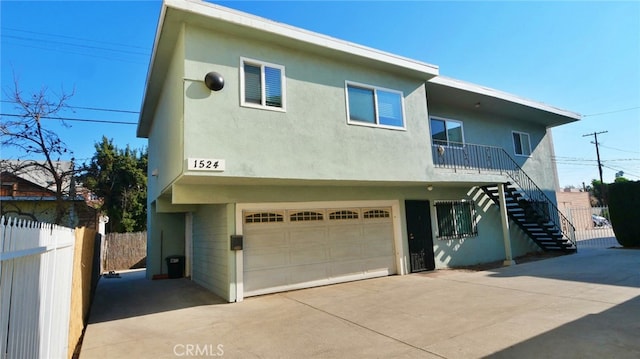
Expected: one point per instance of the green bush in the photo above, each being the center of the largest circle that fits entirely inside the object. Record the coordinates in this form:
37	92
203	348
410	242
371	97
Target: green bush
624	209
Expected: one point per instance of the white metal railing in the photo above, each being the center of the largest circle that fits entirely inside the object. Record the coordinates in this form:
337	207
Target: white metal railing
593	228
36	268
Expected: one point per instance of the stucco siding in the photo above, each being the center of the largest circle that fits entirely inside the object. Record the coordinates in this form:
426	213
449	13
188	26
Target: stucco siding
312	139
165	139
211	265
489	130
488	245
165	237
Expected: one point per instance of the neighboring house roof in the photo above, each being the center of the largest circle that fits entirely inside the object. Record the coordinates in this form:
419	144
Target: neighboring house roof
218	18
36	177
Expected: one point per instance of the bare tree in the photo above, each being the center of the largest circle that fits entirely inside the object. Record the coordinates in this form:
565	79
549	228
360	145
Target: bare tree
40	148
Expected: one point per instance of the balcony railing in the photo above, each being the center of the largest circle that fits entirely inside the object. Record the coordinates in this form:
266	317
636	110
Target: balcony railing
491	159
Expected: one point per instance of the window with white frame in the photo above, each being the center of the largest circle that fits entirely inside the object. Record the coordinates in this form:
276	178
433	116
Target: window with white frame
456	219
447	132
262	85
374	106
521	143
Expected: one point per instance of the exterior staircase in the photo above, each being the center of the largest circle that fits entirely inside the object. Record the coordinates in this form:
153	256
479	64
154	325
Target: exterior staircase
532	217
527	205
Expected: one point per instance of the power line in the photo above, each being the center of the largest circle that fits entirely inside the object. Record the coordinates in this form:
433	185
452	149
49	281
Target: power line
88	108
625	172
617	149
609	112
82	54
74	38
82	46
75	119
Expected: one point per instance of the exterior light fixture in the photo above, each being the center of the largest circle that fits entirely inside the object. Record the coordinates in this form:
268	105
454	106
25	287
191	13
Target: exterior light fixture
214	81
429	188
477	105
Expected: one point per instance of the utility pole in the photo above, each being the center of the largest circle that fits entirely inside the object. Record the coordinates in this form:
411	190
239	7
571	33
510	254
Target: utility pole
595	137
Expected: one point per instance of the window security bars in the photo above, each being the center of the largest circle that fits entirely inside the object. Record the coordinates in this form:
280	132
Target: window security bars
456	219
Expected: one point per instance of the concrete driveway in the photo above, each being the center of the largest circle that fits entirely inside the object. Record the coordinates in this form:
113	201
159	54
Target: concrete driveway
585	305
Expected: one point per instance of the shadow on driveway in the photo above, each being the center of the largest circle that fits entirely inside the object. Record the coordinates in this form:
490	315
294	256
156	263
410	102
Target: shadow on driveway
600	335
132	295
613	266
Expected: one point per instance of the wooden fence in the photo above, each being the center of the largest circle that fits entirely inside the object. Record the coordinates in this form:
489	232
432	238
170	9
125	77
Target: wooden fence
124	251
48	274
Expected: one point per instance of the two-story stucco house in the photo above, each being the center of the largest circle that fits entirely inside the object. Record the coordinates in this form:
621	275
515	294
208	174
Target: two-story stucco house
282	159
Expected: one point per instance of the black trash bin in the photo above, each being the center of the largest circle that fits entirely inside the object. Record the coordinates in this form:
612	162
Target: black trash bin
175	266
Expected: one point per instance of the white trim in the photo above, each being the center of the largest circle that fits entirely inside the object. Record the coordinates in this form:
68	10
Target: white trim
263	97
188	243
223	14
375	104
515	150
239	263
464	142
395	219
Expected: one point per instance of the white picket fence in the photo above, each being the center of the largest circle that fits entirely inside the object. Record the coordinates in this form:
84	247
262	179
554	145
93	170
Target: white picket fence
36	263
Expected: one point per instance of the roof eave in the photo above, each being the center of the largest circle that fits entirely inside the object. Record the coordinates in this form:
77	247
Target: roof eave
207	13
560	116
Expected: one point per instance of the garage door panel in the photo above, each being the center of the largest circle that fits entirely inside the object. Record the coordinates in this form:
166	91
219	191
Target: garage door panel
377	249
265	240
310	254
345	251
346	233
378	230
319	247
266	258
266	278
347	268
308	273
380	265
301	237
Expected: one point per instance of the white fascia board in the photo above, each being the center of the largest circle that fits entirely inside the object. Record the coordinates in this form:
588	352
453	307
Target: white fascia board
143	132
486	91
268	26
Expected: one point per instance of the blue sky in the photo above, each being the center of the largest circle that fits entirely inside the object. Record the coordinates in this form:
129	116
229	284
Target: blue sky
579	56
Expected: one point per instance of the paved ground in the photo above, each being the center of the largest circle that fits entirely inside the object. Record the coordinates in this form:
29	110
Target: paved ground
585	305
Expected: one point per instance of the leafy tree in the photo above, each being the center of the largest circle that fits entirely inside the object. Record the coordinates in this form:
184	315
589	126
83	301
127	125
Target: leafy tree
41	148
620	179
119	177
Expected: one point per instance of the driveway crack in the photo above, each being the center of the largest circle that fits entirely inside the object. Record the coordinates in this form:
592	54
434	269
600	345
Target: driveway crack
362	326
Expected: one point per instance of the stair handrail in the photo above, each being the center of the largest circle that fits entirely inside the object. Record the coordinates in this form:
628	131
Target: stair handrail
471	158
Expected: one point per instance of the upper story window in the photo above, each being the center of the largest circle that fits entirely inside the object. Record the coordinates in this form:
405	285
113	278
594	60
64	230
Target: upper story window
521	143
262	85
447	132
374	106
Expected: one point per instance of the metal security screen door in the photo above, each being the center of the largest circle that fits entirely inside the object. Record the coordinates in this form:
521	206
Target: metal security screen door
419	236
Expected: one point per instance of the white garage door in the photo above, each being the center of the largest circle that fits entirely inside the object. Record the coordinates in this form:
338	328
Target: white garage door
292	249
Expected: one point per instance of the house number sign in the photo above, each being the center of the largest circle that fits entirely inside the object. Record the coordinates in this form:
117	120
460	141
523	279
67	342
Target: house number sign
205	164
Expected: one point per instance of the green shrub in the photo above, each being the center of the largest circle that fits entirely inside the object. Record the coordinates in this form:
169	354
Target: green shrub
624	209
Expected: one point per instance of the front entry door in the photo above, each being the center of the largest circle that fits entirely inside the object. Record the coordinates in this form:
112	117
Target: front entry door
419	235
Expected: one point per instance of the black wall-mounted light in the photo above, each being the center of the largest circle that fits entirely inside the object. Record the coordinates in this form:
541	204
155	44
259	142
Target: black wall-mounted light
214	81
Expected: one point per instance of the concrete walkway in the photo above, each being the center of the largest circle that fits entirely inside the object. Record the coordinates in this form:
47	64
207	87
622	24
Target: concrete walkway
585	305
